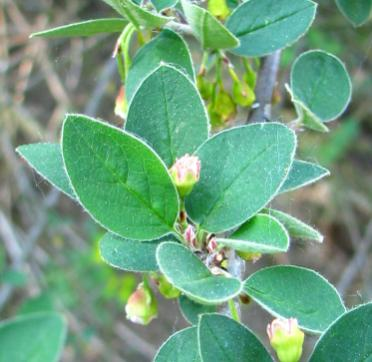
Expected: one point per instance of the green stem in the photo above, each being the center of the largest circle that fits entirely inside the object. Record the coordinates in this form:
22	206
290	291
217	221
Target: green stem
233	310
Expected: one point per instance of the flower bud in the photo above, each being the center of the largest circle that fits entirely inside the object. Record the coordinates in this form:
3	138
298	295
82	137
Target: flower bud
219	9
142	306
212	245
249	256
185	173
121	105
190	237
286	339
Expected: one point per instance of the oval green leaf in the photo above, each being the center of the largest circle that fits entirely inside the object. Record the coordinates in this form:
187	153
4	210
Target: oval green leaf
223	339
137	15
84	29
320	84
290	291
357	12
297	229
301	174
118	179
348	339
168	47
187	273
36	337
264	26
46	159
210	32
238	176
191	310
261	234
130	255
180	347
173	119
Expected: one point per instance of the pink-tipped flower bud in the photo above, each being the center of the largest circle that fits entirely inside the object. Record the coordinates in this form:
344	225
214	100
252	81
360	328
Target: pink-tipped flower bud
212	245
185	173
286	339
190	237
142	306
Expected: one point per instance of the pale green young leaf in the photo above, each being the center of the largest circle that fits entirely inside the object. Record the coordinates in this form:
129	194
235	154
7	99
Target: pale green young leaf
137	15
36	337
356	11
182	346
168	47
289	291
301	174
348	339
187	273
191	310
260	234
321	85
296	228
84	29
238	176
118	179
173	119
46	159
130	255
223	339
211	33
264	26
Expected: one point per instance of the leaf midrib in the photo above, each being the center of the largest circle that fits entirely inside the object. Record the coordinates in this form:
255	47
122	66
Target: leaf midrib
278	20
129	189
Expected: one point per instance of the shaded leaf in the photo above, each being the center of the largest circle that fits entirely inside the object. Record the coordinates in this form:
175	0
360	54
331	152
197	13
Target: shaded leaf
120	181
164	4
348	339
264	26
356	11
261	234
303	173
168	47
290	291
187	273
223	339
36	337
191	310
46	159
84	29
238	176
171	125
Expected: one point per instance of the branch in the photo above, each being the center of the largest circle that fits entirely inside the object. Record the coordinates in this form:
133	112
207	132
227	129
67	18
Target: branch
180	28
265	87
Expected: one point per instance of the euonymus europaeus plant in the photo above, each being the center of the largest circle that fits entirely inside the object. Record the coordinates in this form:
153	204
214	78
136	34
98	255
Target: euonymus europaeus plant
185	196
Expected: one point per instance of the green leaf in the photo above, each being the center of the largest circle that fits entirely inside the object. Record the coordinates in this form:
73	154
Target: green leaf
131	255
84	28
261	234
36	337
321	85
238	176
119	180
46	159
191	310
264	26
348	339
180	347
303	173
137	15
223	339
168	47
164	4
290	291
173	119
210	32
356	11
296	228
187	273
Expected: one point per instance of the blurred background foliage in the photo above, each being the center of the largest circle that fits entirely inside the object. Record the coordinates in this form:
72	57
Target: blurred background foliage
48	251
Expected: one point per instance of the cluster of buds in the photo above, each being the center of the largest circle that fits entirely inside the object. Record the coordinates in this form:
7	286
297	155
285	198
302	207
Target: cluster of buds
142	306
185	173
286	339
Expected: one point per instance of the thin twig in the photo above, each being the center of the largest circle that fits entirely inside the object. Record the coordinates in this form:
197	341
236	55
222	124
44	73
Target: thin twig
265	87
